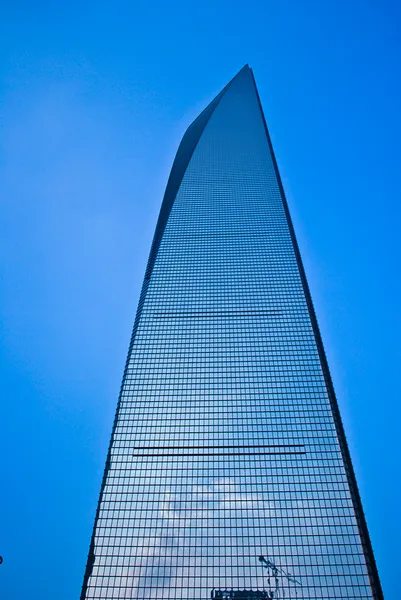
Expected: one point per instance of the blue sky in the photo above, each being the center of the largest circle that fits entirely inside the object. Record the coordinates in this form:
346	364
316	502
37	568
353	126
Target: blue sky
95	98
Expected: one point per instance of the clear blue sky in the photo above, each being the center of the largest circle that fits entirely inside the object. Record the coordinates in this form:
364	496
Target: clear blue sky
95	98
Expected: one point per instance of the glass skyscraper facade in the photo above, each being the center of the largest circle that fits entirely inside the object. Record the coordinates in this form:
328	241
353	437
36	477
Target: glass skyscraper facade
228	473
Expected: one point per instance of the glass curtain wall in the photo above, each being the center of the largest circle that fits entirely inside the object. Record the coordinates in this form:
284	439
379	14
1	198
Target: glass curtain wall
228	474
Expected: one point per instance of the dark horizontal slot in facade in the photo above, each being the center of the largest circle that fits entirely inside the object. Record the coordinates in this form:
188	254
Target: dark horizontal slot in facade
249	236
253	450
260	453
213	314
225	447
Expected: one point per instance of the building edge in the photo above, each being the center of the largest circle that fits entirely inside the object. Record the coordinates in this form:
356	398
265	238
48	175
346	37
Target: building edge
178	169
352	482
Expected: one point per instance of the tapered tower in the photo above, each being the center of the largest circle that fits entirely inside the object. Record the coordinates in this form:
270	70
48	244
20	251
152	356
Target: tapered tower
228	474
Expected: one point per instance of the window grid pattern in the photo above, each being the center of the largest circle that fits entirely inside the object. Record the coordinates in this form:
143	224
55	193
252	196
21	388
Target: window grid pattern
224	447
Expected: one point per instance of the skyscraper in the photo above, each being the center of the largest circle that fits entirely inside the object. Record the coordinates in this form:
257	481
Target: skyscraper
228	473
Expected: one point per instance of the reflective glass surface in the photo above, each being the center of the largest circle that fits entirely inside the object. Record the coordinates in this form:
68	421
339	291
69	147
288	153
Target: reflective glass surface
226	476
